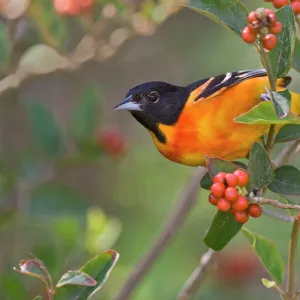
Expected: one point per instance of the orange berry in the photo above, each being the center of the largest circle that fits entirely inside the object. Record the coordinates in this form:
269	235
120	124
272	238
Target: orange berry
240	204
66	7
254	210
231	180
296	7
252	29
269	41
223	205
280	3
252	17
276	28
242	177
213	200
231	194
248	36
220	177
217	189
241	217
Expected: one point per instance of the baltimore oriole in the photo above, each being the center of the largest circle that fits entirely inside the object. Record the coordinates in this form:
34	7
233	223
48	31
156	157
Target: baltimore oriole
189	122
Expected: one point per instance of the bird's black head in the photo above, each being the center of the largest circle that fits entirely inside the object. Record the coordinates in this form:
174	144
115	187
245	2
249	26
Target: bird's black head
154	103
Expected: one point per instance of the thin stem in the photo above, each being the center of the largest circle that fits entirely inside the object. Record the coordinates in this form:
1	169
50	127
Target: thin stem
274	203
270	139
276	215
292	260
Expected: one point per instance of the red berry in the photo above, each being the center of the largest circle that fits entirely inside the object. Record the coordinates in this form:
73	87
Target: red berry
252	29
276	28
271	17
254	210
231	194
66	7
269	41
240	204
223	205
213	200
220	177
241	217
242	177
217	189
248	36
231	180
252	17
296	7
280	3
85	5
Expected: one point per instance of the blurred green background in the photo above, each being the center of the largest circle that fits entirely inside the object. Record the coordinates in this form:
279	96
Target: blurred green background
66	197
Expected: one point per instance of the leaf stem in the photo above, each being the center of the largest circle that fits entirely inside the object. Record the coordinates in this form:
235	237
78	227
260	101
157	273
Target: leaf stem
292	260
274	203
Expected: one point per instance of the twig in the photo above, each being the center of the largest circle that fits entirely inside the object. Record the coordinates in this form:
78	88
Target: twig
274	203
187	199
292	260
278	216
287	153
198	276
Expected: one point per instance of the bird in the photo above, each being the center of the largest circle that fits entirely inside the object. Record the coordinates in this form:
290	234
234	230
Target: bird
189	123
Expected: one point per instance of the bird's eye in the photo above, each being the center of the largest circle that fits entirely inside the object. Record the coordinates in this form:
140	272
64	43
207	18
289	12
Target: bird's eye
153	97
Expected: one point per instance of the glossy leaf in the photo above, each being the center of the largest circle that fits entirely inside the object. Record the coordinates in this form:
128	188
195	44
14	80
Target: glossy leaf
281	102
268	254
76	278
223	228
98	268
281	56
288	133
45	129
268	283
264	113
286	181
296	56
260	166
225	12
217	165
206	181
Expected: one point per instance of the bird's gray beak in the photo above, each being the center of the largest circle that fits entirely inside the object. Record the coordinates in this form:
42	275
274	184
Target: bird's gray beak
128	104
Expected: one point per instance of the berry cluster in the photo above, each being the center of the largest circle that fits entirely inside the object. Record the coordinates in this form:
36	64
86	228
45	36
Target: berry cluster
262	25
280	3
72	7
227	193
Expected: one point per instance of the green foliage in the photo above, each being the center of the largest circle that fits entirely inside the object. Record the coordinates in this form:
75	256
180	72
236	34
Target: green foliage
38	298
230	13
5	46
45	129
260	167
288	133
296	56
268	283
76	278
281	102
268	254
286	181
223	228
217	165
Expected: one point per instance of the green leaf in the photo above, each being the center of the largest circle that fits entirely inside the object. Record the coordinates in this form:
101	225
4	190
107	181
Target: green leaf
206	182
225	12
281	102
45	129
76	278
223	228
268	254
98	268
260	166
38	298
296	56
268	283
281	56
288	133
5	45
217	165
264	113
286	181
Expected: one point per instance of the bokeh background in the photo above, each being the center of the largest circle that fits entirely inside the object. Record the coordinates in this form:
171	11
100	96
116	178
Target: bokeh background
114	190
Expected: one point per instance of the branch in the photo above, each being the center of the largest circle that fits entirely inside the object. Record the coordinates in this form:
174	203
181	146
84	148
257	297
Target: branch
278	216
198	276
286	154
187	199
274	203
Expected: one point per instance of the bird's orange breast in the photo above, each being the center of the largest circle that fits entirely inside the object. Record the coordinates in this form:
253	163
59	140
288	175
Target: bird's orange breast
207	126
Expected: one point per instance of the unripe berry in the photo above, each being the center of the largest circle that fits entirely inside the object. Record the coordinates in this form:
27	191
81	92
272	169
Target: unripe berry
252	17
276	28
269	41
213	200
240	204
242	177
220	177
280	3
248	36
231	180
241	217
296	7
254	210
217	189
223	205
231	194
